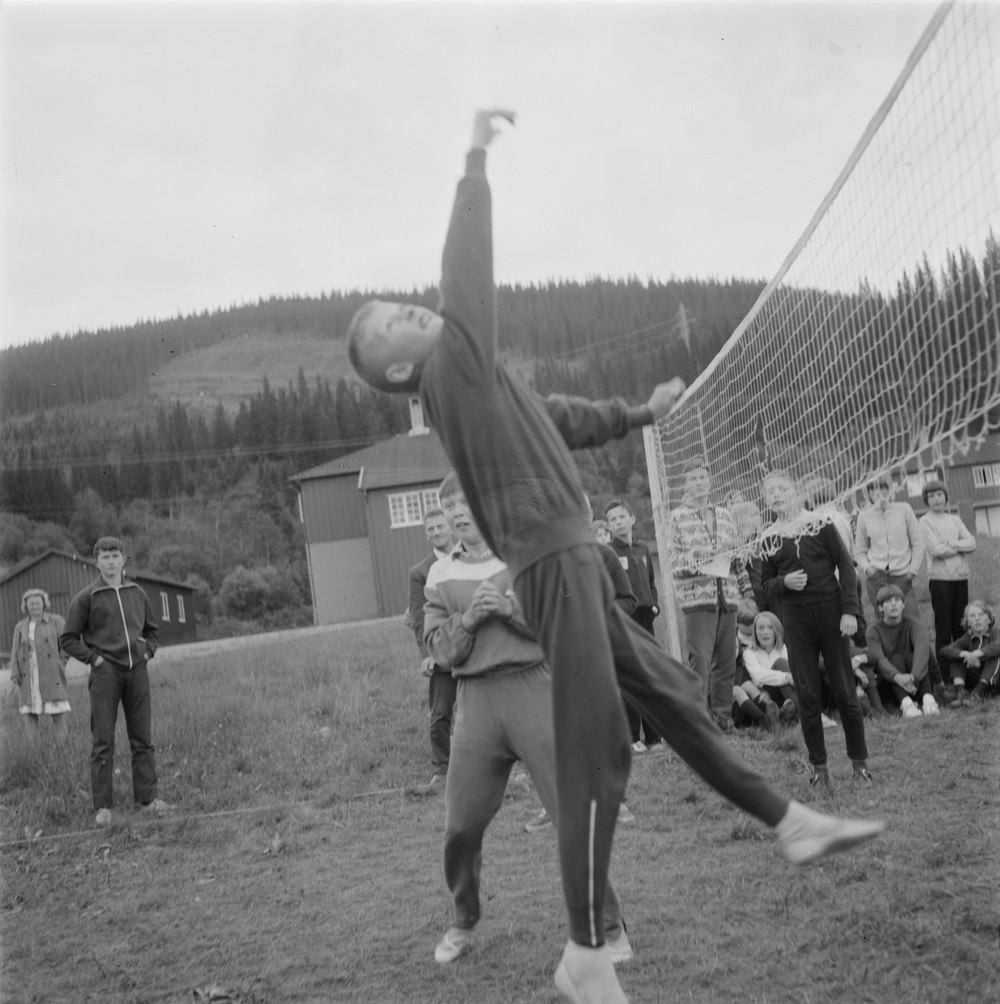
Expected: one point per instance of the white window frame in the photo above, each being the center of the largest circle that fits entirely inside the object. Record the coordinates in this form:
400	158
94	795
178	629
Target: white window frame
410	508
164	606
986	475
988	520
181	615
915	482
430	499
405	510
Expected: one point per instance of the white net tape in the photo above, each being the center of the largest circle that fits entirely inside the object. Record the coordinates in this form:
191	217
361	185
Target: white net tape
878	342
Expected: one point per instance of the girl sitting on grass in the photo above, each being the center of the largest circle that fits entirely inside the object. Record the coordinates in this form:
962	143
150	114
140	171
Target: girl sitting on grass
975	657
766	663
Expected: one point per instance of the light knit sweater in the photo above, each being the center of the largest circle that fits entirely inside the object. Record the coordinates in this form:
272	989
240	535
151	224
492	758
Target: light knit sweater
889	539
942	532
691	546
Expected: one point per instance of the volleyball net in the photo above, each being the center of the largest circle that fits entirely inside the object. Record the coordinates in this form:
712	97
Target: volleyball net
877	345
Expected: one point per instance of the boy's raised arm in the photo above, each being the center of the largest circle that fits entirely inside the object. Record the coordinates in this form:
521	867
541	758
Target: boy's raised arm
467	293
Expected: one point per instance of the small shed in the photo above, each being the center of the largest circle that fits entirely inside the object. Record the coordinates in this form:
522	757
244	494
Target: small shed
364	521
63	574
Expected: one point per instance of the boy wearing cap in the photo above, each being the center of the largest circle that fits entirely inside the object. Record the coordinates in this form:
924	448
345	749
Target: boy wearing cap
111	627
947	542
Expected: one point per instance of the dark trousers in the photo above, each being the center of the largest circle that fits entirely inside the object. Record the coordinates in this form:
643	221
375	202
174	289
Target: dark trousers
812	629
110	685
441	690
644	617
891	693
569	601
711	643
949	600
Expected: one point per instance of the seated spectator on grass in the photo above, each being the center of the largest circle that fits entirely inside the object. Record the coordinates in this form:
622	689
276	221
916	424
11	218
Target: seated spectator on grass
974	659
746	614
898	648
751	705
473	625
866	679
766	663
602	532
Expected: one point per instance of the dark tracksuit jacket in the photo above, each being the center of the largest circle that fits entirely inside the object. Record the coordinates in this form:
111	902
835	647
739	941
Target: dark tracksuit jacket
811	619
509	450
116	624
637	563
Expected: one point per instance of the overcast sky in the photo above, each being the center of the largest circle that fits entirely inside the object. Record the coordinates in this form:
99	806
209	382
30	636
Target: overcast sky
165	159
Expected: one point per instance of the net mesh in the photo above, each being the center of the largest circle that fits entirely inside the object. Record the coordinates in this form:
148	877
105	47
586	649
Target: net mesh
877	345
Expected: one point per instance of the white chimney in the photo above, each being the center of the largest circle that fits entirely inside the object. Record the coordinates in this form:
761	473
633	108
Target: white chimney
417	427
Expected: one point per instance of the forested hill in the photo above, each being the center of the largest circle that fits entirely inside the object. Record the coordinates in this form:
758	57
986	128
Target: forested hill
562	321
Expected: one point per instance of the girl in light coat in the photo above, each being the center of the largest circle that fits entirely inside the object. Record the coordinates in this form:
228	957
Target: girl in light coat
38	666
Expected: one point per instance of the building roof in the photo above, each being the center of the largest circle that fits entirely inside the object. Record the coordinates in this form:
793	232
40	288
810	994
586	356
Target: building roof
401	460
135	576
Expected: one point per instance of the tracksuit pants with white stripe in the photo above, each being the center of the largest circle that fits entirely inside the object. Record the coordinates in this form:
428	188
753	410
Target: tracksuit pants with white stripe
592	649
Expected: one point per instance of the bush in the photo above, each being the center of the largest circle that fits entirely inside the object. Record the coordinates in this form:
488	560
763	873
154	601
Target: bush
252	593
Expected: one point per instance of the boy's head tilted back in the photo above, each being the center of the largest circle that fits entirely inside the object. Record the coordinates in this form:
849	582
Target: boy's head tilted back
388	344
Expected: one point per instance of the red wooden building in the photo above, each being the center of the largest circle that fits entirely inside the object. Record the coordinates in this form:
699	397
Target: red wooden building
62	575
364	522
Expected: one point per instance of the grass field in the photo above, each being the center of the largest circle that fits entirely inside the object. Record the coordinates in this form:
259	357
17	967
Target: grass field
301	869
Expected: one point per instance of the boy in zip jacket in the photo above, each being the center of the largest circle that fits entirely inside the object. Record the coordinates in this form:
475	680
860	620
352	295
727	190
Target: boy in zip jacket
975	657
111	627
510	449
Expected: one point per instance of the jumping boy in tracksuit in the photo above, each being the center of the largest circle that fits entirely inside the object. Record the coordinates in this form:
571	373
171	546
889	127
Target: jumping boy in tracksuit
111	627
509	450
474	627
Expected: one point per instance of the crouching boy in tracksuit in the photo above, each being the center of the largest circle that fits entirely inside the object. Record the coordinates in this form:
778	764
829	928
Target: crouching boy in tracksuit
503	712
111	627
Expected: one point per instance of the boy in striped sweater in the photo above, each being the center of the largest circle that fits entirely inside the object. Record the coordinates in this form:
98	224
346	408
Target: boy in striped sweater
473	625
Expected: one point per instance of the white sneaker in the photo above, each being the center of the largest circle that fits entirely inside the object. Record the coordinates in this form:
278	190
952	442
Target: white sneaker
540	822
638	746
621	949
587	976
829	723
103	818
452	944
158	807
930	705
910	710
625	814
806	836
